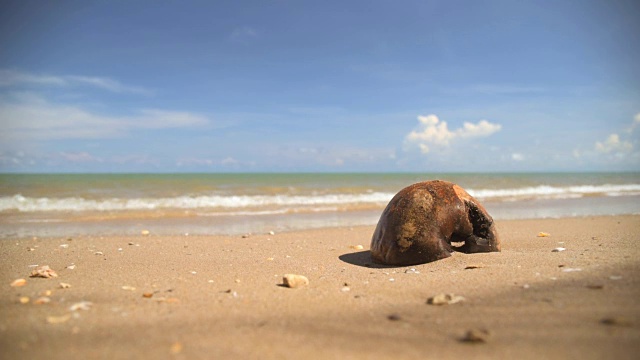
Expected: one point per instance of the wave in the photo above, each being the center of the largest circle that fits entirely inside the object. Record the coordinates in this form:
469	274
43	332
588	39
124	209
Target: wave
556	192
255	204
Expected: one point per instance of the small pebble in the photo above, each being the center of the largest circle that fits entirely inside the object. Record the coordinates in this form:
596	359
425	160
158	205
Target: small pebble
411	271
558	249
82	305
24	300
272	233
445	299
543	234
294	281
64	246
357	247
98	253
128	288
71	267
145	232
571	270
42	300
345	289
64	285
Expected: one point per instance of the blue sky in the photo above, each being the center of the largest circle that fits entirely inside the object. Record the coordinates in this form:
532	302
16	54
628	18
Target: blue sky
426	86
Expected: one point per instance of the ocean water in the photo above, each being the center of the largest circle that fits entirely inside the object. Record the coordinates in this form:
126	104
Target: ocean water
75	204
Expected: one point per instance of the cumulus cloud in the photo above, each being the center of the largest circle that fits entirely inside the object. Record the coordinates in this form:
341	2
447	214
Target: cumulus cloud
619	144
432	132
12	78
613	144
30	116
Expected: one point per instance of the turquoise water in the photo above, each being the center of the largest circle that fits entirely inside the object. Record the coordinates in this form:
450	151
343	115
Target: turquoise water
234	203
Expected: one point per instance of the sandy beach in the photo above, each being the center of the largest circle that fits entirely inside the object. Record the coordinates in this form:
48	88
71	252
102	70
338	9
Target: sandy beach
206	297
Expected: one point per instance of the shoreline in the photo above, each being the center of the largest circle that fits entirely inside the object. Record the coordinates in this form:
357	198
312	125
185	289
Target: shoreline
221	296
48	224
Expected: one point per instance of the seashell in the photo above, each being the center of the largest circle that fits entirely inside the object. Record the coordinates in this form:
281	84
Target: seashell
44	272
18	282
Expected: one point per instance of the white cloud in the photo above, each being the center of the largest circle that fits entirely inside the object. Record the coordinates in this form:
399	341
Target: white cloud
613	144
29	116
12	78
517	157
243	33
433	132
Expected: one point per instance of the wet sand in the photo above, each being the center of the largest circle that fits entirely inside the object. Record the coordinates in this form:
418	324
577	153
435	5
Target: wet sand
204	297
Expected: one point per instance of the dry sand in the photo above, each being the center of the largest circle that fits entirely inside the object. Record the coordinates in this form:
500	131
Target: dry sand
221	297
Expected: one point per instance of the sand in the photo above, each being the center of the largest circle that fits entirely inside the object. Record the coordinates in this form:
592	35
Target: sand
206	297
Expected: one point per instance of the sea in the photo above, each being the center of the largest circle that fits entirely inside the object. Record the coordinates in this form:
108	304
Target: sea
252	203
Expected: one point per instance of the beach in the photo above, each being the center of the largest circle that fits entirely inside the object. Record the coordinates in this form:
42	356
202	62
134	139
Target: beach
195	296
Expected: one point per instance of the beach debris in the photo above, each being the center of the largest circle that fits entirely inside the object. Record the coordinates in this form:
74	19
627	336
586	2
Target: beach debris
44	271
615	277
445	299
82	305
71	267
294	280
271	233
64	246
31	249
394	317
616	321
18	282
357	247
64	285
46	293
131	243
543	234
42	300
58	319
245	236
476	336
412	271
471	267
345	288
24	300
128	288
411	229
558	249
147	295
99	253
145	232
170	300
571	270
595	286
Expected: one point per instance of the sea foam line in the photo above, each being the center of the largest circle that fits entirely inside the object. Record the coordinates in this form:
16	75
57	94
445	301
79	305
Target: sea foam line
75	204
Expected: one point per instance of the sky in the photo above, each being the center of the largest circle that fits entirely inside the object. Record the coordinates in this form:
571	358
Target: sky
326	86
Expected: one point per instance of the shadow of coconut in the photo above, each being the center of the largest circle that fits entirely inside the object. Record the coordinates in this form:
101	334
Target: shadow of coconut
363	258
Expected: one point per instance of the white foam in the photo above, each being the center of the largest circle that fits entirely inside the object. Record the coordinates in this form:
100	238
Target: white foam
556	192
287	202
26	204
